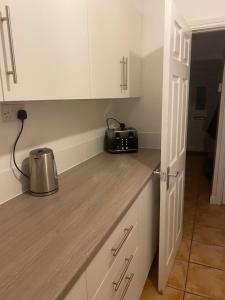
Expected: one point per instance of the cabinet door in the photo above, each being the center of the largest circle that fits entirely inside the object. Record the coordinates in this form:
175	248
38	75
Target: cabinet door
133	28
108	45
148	226
79	291
49	39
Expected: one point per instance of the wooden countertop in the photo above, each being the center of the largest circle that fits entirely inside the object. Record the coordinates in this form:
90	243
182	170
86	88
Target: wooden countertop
46	243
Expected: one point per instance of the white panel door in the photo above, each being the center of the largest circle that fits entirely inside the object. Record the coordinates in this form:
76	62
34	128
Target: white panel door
50	40
177	46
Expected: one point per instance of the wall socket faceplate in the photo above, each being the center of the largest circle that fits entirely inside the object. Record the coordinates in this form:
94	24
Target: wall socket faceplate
9	111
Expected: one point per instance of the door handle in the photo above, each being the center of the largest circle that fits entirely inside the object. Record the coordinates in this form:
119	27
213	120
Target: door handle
173	174
157	172
7	19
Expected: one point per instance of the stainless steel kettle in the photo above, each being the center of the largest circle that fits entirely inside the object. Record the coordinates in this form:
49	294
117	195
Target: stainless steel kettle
43	173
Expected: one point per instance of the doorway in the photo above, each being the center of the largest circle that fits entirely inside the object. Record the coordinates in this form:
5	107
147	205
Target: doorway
207	64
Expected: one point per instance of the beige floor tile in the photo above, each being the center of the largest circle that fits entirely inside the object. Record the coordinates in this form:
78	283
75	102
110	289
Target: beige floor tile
193	297
208	255
178	275
188	230
184	250
150	293
206	282
212	217
209	235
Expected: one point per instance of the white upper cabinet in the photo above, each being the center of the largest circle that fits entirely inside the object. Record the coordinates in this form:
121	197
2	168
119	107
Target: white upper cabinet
45	44
114	41
51	49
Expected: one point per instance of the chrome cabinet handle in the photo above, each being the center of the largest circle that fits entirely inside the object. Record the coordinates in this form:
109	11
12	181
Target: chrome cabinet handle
122	85
11	47
129	278
127	231
116	284
126	70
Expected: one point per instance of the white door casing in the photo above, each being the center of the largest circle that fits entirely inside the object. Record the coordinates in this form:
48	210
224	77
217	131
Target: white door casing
218	190
176	71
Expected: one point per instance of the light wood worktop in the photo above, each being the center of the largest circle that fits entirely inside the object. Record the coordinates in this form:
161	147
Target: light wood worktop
46	243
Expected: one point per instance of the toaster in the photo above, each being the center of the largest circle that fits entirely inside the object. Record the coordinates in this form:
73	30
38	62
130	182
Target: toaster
121	139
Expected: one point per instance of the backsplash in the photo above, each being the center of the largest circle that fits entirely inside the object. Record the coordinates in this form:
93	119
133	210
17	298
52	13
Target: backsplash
74	130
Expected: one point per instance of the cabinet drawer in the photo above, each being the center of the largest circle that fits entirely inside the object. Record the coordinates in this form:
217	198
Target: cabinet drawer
121	243
129	289
115	285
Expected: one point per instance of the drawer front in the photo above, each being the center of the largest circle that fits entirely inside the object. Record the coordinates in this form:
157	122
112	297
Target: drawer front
122	240
131	288
115	286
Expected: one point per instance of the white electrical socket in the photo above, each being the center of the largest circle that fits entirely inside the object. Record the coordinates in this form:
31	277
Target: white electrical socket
9	111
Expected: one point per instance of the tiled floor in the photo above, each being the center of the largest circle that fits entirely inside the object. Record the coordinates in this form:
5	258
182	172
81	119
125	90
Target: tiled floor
199	269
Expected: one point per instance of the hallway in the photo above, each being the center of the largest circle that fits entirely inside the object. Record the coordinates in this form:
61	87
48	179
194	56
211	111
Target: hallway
199	269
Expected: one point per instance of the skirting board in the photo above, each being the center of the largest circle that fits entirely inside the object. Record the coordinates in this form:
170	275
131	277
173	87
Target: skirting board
68	152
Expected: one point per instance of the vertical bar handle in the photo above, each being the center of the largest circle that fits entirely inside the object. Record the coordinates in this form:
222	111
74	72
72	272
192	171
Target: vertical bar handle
127	232
116	284
11	47
122	74
126	73
129	279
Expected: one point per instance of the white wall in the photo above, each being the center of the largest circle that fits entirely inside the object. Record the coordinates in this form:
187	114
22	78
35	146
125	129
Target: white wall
73	129
145	113
193	10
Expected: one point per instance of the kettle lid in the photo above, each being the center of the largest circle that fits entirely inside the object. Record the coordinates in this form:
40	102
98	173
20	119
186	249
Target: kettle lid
41	151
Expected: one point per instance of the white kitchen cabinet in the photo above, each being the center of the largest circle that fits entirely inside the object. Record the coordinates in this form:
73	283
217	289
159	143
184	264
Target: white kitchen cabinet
120	268
114	43
141	242
79	291
127	233
148	226
50	43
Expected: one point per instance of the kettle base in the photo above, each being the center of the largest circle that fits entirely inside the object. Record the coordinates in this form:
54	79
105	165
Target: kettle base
44	194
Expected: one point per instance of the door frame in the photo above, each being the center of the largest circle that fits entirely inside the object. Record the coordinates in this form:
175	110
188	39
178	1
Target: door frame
206	25
217	196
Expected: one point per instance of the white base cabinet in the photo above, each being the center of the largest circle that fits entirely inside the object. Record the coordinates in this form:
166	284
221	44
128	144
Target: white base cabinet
120	268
